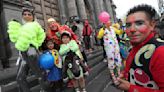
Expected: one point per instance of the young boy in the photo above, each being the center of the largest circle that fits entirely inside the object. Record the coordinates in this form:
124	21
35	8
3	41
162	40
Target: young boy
71	46
54	75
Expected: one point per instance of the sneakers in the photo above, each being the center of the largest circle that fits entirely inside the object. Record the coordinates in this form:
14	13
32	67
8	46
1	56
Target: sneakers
77	90
83	90
65	80
86	73
105	60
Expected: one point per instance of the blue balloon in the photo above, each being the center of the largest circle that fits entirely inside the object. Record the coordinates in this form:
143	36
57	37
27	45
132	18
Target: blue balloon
46	61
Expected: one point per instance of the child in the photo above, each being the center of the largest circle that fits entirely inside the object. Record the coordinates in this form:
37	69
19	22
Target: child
66	48
54	75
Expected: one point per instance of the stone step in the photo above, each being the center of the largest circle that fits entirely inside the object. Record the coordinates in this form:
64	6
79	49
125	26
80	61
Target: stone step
95	61
96	70
110	86
8	75
94	55
99	82
94	51
12	86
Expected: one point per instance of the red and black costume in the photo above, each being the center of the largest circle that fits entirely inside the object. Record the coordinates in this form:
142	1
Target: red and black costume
145	66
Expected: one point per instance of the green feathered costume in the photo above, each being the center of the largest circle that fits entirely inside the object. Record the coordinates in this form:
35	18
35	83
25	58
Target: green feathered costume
25	35
73	46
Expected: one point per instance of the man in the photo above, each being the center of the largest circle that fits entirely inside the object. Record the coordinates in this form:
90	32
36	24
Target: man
77	27
27	39
144	67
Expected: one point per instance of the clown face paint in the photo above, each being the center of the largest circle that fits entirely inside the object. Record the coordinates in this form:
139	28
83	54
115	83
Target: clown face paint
138	27
53	26
108	24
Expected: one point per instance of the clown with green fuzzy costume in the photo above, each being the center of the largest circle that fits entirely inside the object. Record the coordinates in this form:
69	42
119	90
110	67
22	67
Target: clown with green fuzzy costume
27	38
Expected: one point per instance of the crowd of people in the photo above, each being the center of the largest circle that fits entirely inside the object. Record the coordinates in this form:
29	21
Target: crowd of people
56	54
133	54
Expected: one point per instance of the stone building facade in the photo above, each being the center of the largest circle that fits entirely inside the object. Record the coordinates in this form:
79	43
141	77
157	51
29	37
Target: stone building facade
86	9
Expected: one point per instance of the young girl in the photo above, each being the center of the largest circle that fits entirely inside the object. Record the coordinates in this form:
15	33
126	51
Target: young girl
54	74
70	46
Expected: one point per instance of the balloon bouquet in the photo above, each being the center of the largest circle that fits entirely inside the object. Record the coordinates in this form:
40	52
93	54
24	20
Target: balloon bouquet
104	17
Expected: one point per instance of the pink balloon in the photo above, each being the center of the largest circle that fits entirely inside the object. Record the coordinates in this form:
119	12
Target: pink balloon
104	17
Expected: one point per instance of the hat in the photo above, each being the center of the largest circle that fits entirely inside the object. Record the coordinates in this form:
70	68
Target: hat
63	33
27	6
66	32
51	20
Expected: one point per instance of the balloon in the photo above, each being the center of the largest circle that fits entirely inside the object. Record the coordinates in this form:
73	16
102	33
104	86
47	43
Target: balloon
46	61
104	17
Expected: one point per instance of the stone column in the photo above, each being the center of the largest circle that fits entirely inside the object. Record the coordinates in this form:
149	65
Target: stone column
72	9
101	4
109	8
97	9
81	9
62	7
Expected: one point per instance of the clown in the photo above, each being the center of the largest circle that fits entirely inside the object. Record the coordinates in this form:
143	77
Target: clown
27	38
111	48
53	32
144	71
